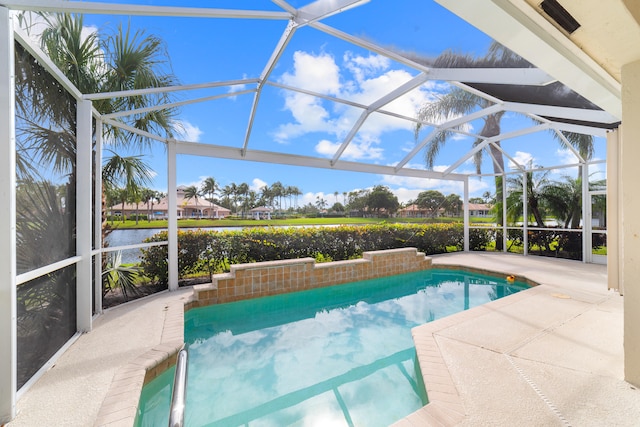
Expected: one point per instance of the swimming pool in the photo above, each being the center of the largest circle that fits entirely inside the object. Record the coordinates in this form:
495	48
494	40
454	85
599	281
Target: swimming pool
334	356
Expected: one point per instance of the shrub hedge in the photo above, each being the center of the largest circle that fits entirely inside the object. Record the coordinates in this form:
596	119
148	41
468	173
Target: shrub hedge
212	251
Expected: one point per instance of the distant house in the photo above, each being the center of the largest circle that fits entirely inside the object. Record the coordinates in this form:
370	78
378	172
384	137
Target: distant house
187	208
413	211
261	212
479	209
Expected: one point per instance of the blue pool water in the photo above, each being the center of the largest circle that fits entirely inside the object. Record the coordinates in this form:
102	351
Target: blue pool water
336	356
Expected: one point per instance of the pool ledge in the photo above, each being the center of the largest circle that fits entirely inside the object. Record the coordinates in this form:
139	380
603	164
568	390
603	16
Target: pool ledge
548	355
120	405
445	407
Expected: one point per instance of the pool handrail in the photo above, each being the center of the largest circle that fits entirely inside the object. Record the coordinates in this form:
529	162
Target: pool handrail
179	393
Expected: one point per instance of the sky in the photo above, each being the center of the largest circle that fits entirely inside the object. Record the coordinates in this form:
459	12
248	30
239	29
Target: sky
208	50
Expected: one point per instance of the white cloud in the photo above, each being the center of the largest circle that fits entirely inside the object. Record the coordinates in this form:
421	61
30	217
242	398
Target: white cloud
366	79
407	188
35	24
236	88
355	150
257	184
361	66
309	115
313	197
187	131
566	157
197	184
318	73
522	158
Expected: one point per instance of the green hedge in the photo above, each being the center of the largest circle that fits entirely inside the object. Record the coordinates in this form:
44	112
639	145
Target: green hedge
211	251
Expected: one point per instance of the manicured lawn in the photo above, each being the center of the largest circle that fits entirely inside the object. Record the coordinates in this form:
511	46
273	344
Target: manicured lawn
193	223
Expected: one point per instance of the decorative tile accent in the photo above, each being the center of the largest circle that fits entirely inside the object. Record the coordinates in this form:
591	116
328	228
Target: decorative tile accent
254	280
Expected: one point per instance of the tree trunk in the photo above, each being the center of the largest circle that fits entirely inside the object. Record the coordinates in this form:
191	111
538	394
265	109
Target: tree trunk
492	128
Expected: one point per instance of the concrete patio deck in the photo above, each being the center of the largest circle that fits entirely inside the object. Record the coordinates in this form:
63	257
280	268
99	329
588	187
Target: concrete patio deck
550	355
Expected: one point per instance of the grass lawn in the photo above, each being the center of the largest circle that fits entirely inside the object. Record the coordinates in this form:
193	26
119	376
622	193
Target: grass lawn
202	223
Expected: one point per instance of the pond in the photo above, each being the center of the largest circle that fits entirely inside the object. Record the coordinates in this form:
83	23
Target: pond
137	236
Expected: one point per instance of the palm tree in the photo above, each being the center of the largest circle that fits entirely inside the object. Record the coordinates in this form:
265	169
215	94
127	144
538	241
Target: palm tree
130	174
192	192
278	191
231	191
243	190
536	195
321	203
209	188
116	62
251	200
459	102
266	195
295	192
148	196
46	140
564	199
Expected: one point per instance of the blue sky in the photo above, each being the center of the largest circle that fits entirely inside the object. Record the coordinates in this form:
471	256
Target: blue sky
229	49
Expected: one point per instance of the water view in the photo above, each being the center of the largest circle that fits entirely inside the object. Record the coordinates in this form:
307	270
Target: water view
133	236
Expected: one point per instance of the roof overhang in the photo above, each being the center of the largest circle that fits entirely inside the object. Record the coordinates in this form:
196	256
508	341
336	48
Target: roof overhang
521	28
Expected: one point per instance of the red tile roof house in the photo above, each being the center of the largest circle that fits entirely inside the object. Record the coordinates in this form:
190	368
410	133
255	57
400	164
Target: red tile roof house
187	208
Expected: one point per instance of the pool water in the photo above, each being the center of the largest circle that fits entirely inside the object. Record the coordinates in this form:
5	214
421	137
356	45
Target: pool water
336	356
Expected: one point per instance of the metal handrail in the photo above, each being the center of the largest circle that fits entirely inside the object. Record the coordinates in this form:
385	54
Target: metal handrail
179	393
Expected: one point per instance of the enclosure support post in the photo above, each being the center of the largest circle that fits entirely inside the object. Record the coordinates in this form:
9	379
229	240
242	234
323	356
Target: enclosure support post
97	208
8	352
525	213
504	213
466	214
613	213
84	282
586	215
172	214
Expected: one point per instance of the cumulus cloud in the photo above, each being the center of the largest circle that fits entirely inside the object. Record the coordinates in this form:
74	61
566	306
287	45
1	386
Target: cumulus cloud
34	25
317	73
364	79
313	198
187	131
361	66
236	88
355	150
257	184
522	158
566	157
407	187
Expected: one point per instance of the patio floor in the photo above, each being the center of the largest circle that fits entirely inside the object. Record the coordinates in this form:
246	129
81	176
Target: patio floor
550	355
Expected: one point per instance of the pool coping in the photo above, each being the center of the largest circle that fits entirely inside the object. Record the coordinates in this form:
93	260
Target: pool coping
445	407
120	405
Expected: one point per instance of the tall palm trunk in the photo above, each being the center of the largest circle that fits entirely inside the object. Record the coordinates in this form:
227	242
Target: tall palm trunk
492	128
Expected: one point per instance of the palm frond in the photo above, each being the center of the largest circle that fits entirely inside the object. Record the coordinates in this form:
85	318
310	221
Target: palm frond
117	275
581	142
129	171
433	148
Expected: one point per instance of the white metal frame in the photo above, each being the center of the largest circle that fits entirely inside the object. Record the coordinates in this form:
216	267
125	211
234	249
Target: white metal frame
590	257
8	357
